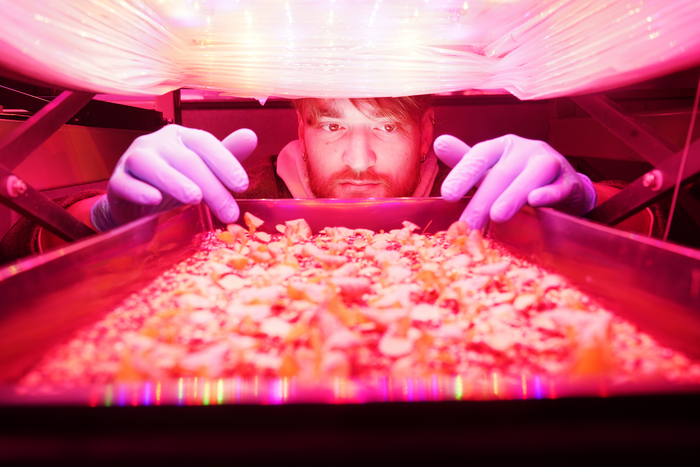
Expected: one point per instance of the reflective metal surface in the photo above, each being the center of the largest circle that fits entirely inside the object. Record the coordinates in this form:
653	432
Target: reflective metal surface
45	298
653	284
431	214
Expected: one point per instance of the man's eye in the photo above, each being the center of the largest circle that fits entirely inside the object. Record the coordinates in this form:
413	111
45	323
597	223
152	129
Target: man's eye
389	127
331	127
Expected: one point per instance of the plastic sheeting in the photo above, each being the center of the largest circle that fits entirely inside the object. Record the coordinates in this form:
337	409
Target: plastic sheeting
348	48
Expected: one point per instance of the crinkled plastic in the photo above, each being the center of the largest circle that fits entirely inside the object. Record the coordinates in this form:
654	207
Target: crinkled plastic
348	48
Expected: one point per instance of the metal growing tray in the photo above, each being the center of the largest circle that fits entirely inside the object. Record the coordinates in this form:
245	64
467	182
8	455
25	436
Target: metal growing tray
46	298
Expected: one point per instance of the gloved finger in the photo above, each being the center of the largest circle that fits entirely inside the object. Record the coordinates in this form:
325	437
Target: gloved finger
213	191
567	194
481	180
150	168
540	171
217	158
552	194
471	168
128	188
450	150
241	143
497	183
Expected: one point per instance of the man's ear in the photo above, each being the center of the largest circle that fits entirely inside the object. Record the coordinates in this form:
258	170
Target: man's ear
426	130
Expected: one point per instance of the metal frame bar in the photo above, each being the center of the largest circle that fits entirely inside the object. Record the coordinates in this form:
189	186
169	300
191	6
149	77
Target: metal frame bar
31	134
664	155
627	128
14	99
18	145
648	189
33	204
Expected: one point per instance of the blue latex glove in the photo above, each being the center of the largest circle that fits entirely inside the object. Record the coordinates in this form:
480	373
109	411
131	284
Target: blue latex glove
175	166
515	171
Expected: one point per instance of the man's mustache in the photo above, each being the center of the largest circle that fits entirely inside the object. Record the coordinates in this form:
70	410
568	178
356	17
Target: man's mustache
366	176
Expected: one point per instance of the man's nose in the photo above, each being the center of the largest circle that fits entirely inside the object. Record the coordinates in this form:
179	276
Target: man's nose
359	154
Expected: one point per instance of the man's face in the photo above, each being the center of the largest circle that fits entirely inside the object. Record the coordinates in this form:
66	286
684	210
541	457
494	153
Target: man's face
353	154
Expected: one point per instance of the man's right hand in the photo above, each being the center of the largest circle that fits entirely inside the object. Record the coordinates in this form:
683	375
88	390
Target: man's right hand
515	171
173	166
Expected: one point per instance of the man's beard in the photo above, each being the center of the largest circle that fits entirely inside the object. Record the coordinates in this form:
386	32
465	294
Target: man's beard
326	189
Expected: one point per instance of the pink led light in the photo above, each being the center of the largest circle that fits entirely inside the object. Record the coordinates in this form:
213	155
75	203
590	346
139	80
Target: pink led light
532	48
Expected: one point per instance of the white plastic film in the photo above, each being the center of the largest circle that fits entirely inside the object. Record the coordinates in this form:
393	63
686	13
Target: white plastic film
348	48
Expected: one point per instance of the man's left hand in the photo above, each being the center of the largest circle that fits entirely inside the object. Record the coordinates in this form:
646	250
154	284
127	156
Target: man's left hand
517	171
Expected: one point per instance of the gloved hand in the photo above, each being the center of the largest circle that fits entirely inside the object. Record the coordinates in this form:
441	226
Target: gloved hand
515	171
174	166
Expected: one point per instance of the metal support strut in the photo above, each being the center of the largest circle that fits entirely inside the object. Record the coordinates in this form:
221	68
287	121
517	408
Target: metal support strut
18	145
665	156
649	188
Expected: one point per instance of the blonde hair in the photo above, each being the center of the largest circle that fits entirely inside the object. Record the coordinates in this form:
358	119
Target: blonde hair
404	110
